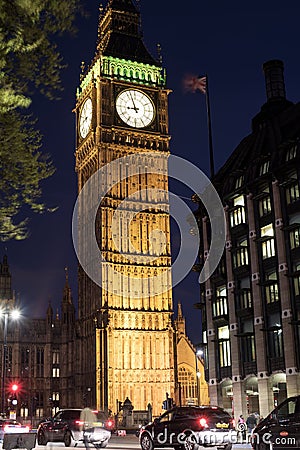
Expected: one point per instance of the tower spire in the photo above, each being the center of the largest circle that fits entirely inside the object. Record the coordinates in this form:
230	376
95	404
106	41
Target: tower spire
180	321
120	33
122	5
67	295
5	280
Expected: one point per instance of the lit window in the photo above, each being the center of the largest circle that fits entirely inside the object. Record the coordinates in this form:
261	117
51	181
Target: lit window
267	230
264	168
55	372
292	192
55	357
219	304
237	214
295	237
244	299
55	396
224	346
297	279
292	189
272	289
188	384
268	243
291	153
223	332
239	181
264	206
240	255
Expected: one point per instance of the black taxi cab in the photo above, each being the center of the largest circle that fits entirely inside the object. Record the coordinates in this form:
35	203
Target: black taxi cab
190	427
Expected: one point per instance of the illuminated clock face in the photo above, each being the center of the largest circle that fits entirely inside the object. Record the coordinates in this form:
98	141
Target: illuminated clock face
135	108
85	118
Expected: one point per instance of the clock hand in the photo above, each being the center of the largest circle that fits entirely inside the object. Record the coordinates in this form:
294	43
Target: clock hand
134	107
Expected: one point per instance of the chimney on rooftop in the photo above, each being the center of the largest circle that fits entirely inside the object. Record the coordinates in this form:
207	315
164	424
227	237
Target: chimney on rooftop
275	88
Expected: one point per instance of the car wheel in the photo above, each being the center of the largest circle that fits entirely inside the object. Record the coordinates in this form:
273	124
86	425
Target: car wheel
263	446
68	439
104	443
146	442
41	438
189	443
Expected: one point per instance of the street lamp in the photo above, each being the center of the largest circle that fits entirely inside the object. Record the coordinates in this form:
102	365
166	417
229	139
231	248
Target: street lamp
198	354
5	313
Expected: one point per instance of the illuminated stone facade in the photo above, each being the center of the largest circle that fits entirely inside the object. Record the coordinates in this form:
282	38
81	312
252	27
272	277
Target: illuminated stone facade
128	336
192	387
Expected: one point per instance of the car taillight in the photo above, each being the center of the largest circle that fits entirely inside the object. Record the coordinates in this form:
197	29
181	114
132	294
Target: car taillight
203	422
79	422
109	424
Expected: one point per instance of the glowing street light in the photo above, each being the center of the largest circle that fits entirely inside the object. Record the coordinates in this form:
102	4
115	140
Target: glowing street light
198	358
6	313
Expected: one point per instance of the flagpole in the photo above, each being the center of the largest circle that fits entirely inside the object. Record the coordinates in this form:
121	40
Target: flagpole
210	142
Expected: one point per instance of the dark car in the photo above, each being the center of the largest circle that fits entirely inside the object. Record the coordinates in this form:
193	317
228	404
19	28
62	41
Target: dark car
280	430
66	427
190	427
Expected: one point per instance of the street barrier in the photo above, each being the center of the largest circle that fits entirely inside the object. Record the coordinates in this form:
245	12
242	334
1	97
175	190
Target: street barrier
19	440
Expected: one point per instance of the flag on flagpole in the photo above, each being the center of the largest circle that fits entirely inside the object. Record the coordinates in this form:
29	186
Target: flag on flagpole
194	84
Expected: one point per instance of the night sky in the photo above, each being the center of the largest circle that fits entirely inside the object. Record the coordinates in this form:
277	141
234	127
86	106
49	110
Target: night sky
227	40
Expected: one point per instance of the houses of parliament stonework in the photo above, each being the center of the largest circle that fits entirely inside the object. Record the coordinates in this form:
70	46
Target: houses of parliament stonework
123	342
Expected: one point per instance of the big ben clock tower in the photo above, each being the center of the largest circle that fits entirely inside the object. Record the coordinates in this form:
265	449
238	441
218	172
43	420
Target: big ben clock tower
125	321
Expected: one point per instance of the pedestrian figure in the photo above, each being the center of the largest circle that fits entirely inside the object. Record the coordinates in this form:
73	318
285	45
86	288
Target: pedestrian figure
242	427
251	423
88	419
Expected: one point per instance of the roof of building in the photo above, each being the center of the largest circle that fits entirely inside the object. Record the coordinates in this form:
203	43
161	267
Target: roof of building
274	129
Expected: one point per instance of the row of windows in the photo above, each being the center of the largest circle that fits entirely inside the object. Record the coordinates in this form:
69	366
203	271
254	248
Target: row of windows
243	297
240	254
238	216
247	342
28	365
264	167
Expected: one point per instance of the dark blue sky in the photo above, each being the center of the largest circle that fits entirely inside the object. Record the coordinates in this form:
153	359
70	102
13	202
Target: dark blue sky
227	40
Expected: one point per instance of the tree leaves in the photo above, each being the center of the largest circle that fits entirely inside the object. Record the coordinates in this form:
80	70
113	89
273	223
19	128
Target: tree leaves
29	62
22	168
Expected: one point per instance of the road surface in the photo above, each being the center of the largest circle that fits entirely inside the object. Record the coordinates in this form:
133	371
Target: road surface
129	442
